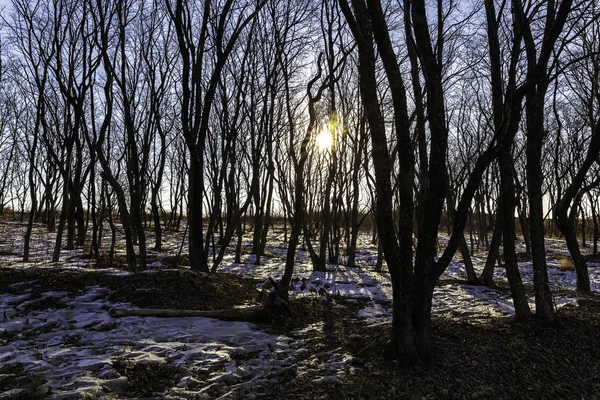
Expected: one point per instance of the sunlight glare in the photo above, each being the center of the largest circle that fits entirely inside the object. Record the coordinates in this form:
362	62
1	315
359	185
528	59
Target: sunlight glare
324	139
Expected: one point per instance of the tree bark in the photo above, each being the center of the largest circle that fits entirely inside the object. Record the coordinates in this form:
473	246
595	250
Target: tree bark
398	254
507	189
487	276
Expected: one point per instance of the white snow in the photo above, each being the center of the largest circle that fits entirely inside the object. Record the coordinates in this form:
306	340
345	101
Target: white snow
78	343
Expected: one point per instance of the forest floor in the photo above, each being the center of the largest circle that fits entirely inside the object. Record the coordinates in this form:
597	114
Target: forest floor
58	340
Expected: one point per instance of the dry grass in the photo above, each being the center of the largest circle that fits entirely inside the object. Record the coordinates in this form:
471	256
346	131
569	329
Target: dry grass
566	264
147	378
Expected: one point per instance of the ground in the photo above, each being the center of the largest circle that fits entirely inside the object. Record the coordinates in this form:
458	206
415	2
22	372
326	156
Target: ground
57	339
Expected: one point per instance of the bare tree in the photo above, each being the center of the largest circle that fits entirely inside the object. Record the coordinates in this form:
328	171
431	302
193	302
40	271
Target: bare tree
223	30
568	202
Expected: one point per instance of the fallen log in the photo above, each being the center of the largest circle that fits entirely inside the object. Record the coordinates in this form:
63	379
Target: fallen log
248	314
273	309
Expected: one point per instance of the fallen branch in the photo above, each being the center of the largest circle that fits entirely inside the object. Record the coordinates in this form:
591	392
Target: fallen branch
273	309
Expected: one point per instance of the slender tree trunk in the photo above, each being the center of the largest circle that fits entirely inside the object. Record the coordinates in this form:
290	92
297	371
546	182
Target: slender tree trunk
96	243
525	228
583	279
354	225
156	222
79	216
487	276
30	176
595	224
238	247
113	228
566	226
326	213
156	191
60	229
32	191
464	248
543	296
583	235
258	214
379	262
522	310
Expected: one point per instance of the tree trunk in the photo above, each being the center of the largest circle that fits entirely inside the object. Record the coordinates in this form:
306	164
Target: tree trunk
507	190
595	224
464	248
487	276
96	243
543	296
326	213
402	346
525	228
238	246
32	154
156	189
583	237
379	262
583	279
466	256
565	225
354	224
198	261
59	231
422	300
113	228
79	218
397	250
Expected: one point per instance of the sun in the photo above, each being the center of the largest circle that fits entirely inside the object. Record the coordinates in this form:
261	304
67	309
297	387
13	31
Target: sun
331	130
324	139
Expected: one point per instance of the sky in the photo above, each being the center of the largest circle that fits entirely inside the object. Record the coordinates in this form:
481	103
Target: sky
5	5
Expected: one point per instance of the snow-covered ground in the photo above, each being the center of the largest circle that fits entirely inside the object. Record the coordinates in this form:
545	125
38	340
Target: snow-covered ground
75	345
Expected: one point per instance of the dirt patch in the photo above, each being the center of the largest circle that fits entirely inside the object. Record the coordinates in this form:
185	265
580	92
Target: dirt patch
177	289
16	281
183	289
